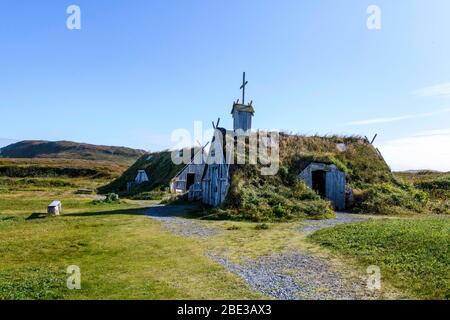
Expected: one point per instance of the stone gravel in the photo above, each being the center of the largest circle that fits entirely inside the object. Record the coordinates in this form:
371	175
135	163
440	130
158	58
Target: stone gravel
295	276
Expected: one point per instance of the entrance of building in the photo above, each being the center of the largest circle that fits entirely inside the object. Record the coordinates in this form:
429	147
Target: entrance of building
190	180
319	182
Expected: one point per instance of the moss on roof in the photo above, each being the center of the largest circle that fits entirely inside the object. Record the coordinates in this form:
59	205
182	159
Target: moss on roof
358	159
160	170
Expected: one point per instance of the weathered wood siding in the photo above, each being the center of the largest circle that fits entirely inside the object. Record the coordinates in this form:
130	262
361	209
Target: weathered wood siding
215	184
242	120
196	167
180	180
335	182
335	188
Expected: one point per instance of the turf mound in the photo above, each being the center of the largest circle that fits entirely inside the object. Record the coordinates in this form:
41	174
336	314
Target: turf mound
256	197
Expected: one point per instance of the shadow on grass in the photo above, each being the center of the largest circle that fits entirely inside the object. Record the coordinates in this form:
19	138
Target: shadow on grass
181	211
134	212
37	215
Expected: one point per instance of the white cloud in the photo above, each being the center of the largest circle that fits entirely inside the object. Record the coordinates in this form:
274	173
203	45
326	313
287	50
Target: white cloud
440	90
398	118
424	150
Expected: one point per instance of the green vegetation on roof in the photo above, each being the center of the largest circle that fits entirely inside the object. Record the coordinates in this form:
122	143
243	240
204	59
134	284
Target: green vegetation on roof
158	166
255	197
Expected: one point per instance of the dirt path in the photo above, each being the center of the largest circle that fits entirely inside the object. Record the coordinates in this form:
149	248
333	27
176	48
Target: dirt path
283	276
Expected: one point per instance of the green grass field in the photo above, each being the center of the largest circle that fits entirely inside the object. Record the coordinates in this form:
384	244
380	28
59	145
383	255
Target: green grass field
413	254
122	253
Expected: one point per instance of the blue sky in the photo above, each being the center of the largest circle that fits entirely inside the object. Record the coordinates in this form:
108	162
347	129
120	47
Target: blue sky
139	69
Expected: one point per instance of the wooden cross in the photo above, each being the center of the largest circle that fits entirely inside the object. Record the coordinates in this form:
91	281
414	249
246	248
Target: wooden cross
244	83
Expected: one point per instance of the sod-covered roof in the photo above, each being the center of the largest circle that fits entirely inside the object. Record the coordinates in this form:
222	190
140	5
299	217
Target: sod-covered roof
355	156
258	197
159	168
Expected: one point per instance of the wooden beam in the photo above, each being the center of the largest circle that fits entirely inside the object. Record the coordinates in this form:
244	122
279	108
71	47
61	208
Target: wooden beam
376	135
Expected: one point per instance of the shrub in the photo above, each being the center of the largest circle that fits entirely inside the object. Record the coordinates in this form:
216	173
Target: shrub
438	183
440	207
109	198
387	198
262	226
271	198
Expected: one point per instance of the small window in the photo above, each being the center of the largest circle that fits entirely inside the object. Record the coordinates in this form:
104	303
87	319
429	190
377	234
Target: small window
181	153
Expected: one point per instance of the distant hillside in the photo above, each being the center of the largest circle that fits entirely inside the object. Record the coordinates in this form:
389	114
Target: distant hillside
69	150
51	168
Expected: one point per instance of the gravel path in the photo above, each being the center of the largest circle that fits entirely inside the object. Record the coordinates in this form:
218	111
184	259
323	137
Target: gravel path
180	226
341	218
296	276
283	276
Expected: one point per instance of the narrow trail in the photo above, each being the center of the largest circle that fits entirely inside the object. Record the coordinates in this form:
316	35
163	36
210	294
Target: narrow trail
282	276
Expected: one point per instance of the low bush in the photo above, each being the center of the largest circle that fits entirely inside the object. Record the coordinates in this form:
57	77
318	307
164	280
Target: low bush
262	226
109	198
387	198
270	198
438	188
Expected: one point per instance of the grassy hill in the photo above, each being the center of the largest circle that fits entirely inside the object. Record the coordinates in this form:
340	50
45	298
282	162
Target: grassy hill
54	174
45	168
69	150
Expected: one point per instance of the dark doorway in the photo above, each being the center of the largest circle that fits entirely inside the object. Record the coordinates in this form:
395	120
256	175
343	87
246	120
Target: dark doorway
319	182
190	180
